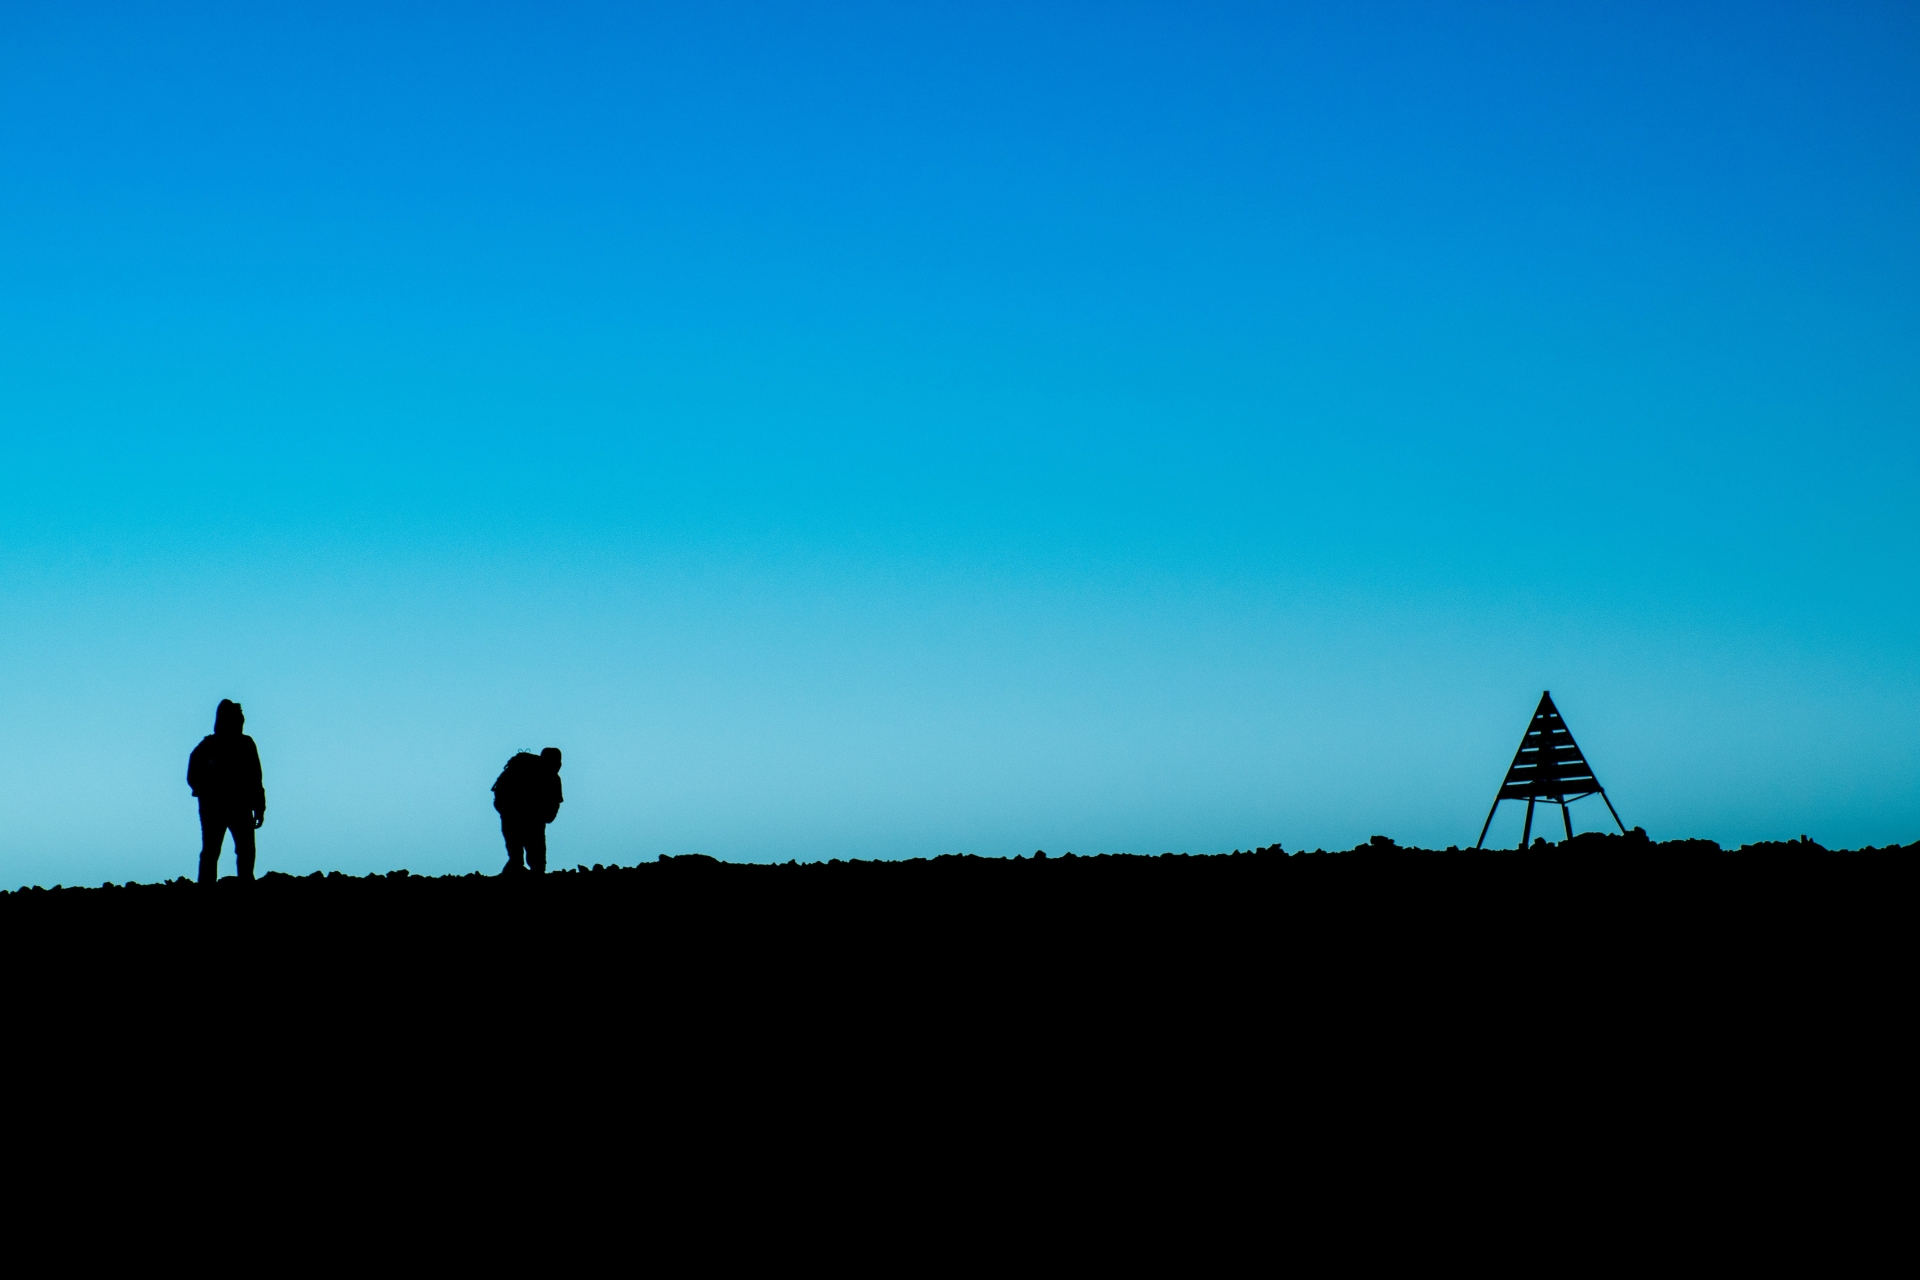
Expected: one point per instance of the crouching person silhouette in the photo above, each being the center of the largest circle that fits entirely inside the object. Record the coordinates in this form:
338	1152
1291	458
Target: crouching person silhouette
224	772
527	794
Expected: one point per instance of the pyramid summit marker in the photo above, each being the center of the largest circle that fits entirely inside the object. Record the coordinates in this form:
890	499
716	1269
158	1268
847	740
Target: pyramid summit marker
1548	766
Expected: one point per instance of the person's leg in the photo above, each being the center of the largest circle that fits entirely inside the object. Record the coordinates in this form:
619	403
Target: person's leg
537	848
243	845
511	834
212	831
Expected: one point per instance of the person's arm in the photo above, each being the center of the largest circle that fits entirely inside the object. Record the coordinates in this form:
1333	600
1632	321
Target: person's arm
193	769
259	788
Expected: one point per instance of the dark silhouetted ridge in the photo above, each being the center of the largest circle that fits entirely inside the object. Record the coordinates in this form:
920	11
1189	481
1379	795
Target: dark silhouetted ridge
939	1002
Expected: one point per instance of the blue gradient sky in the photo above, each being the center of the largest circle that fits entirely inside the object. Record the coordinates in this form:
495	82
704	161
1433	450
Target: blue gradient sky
885	430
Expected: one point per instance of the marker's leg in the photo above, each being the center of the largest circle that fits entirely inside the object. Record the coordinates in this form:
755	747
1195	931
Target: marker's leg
1614	812
1489	822
1566	818
1526	832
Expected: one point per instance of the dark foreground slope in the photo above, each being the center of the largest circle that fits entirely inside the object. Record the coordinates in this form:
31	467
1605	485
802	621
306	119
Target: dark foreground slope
1178	1019
1105	924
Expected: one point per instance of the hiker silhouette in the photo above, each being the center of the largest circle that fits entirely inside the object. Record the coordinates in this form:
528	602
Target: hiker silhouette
224	772
527	794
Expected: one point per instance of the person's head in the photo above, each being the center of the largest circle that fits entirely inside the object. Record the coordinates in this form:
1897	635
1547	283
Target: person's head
552	756
227	717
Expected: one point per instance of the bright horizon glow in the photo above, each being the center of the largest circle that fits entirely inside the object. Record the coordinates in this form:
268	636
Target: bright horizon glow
848	432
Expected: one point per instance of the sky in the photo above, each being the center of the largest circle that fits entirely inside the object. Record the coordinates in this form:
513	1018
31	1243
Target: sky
876	430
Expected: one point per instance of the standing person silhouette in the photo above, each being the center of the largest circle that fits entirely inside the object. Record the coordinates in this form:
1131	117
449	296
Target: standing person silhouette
224	772
527	795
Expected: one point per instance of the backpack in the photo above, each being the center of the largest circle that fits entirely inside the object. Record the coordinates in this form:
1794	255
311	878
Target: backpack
514	789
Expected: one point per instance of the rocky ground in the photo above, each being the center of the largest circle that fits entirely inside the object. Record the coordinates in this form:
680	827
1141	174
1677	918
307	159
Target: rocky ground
1230	998
703	920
